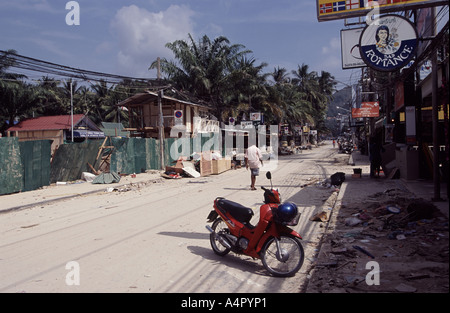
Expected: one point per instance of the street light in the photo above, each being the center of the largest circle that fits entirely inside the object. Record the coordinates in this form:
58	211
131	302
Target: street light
338	107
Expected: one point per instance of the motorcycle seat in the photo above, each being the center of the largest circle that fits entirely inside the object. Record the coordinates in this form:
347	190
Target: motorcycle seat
238	211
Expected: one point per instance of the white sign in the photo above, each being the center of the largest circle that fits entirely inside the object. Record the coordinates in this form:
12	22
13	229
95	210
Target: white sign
247	125
351	58
255	116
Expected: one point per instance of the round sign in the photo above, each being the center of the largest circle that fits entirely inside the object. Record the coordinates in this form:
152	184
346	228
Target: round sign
388	43
179	114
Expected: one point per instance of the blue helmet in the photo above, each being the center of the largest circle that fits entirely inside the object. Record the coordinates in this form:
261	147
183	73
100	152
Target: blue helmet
286	212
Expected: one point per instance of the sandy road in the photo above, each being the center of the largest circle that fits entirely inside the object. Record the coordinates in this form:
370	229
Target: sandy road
154	239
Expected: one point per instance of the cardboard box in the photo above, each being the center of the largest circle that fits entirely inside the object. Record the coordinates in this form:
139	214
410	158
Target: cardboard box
220	166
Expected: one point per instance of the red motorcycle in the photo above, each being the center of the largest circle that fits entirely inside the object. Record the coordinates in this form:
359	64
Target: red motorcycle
271	240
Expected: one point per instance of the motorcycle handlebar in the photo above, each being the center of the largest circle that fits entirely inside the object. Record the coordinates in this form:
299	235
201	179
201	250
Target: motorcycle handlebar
265	189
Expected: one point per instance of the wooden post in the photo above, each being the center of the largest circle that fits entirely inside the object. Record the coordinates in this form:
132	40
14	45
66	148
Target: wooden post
161	128
161	118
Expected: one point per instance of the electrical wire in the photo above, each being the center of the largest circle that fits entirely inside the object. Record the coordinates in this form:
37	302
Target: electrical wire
21	62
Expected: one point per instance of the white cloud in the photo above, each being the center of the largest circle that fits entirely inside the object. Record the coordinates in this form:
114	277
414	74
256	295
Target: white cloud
142	35
52	47
32	5
330	61
334	46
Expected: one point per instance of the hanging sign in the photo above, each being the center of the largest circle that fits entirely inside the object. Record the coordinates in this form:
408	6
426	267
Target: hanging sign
350	48
367	109
388	43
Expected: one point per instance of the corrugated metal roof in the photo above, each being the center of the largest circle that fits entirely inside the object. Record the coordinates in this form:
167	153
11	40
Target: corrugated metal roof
48	123
145	97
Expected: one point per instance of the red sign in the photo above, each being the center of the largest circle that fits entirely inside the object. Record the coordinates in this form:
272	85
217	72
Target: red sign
367	109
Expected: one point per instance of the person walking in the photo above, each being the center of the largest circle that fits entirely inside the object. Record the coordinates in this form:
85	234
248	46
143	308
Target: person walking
253	160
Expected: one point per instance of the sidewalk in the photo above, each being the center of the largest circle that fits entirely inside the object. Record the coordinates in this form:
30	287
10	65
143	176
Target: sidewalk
59	192
420	188
411	251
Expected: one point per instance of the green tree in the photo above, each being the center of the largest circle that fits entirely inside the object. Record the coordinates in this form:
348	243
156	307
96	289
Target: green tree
6	61
18	99
203	68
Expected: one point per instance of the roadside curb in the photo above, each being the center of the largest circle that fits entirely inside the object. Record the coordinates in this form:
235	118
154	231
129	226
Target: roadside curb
27	206
75	195
331	221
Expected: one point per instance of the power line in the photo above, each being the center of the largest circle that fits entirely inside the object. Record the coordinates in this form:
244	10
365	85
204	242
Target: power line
35	65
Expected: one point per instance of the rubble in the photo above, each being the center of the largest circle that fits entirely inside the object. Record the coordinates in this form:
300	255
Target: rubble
408	237
134	186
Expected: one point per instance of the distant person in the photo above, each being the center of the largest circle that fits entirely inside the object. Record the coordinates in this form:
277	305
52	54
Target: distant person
253	160
375	150
334	143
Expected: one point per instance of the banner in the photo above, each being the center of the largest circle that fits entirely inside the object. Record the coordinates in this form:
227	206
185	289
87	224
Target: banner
367	109
328	10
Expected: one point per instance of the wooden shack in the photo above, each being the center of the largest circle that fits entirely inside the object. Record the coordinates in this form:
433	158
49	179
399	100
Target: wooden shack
186	118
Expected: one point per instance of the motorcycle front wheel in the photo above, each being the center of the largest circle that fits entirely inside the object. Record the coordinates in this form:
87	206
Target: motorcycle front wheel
285	260
219	227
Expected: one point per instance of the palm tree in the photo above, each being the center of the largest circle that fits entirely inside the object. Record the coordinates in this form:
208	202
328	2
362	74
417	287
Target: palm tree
203	69
306	82
52	97
280	76
327	83
17	99
6	61
246	86
102	103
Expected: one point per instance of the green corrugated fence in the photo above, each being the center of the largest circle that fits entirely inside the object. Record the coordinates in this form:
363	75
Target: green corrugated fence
134	155
24	166
11	168
71	160
35	156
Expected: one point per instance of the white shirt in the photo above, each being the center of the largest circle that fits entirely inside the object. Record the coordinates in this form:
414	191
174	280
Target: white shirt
254	156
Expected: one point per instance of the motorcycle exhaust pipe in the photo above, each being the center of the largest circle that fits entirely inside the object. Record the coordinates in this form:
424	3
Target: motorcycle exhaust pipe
221	238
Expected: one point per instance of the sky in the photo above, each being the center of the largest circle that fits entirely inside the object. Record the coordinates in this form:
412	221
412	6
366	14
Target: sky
125	37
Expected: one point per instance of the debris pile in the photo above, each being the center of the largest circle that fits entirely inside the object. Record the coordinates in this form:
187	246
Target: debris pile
407	237
134	186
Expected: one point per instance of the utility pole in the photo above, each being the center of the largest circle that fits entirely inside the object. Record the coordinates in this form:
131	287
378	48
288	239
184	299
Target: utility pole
161	118
435	121
435	117
71	107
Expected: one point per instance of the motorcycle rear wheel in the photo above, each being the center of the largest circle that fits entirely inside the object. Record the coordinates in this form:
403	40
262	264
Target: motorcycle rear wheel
219	227
289	262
